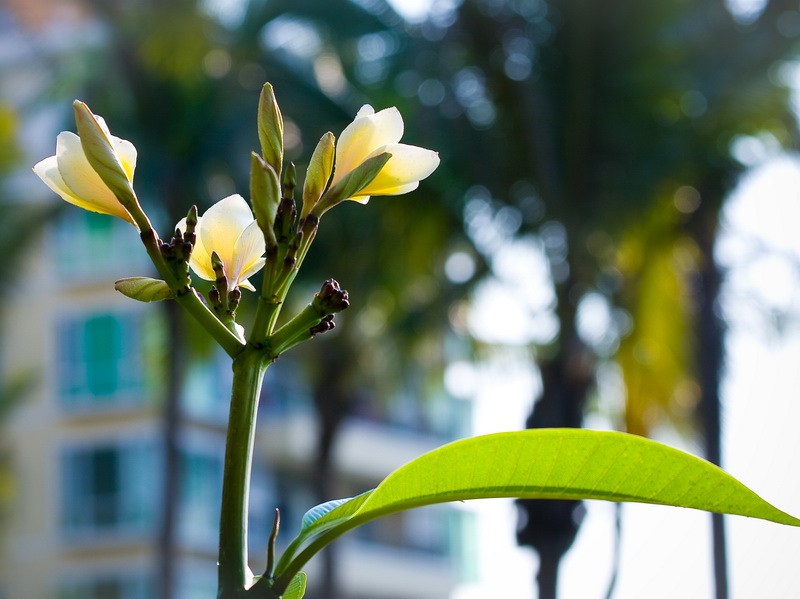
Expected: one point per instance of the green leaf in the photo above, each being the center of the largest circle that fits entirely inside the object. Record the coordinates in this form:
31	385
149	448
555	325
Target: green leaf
296	588
317	512
538	464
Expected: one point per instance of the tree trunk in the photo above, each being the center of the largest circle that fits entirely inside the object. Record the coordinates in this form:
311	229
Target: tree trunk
332	405
171	489
710	357
548	525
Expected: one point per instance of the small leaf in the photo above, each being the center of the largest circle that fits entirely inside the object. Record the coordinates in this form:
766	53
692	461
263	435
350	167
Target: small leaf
144	289
316	512
296	588
539	464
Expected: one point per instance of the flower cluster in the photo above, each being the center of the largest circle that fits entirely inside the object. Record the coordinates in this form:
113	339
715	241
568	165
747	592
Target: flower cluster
231	242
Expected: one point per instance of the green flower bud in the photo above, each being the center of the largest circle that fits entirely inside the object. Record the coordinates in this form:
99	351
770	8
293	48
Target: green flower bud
144	289
319	172
265	196
289	181
270	129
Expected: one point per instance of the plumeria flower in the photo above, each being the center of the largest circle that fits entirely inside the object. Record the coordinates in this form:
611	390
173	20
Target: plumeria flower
229	229
70	175
373	133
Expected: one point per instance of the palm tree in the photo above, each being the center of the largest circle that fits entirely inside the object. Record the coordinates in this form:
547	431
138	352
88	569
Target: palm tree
619	115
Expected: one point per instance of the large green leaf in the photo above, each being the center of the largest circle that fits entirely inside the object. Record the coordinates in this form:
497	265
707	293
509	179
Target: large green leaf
544	463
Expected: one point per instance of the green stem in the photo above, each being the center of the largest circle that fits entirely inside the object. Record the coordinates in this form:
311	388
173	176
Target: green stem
297	330
277	282
248	374
284	576
191	301
268	304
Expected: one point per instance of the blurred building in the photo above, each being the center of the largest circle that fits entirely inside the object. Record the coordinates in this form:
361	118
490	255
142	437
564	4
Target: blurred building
85	449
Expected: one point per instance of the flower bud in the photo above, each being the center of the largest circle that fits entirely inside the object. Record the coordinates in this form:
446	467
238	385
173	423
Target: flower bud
319	172
76	178
270	128
265	195
144	289
289	181
325	325
331	298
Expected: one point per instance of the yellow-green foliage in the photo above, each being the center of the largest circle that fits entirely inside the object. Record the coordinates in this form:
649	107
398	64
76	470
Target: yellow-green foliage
658	262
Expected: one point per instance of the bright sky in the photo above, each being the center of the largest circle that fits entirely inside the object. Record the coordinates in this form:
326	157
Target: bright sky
666	552
412	10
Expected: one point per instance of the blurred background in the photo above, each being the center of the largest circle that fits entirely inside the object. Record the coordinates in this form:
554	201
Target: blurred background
610	242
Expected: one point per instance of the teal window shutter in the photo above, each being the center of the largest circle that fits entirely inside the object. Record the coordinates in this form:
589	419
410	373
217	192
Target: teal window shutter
102	344
105	487
110	488
100	360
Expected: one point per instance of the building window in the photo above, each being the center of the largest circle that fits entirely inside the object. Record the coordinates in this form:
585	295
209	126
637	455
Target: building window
207	388
109	587
110	489
201	491
89	246
196	580
100	360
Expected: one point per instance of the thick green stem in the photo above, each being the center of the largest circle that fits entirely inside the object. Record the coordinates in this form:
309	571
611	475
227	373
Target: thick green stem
248	373
297	330
191	301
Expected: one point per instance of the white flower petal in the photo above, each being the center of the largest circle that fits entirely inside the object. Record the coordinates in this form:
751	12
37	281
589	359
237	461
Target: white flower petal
126	152
200	259
407	166
47	171
363	136
247	253
229	229
365	110
389	124
250	271
395	191
221	226
81	179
